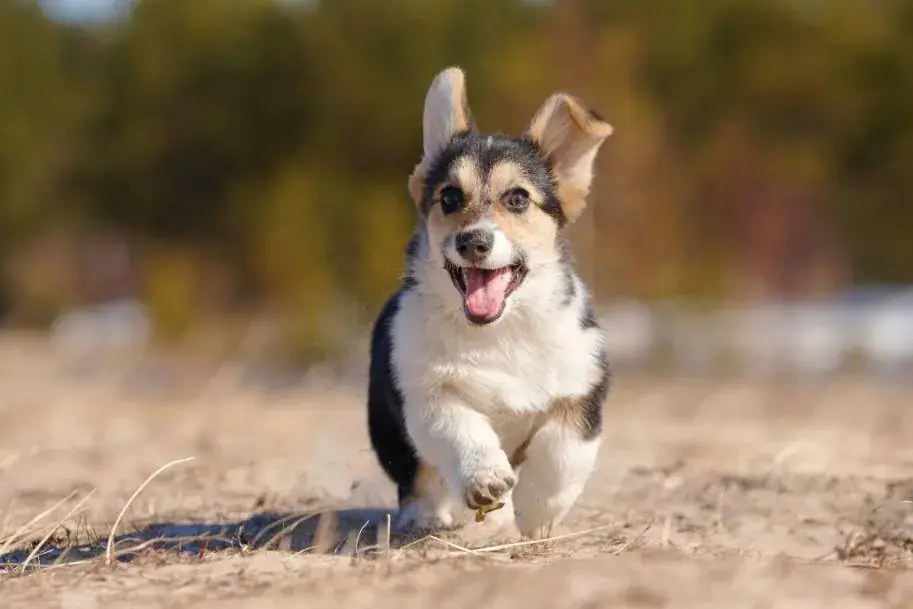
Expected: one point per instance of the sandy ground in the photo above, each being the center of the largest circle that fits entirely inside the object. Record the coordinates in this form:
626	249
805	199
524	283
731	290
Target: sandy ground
708	493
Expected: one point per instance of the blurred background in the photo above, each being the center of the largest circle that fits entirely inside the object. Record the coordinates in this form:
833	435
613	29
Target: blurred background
228	178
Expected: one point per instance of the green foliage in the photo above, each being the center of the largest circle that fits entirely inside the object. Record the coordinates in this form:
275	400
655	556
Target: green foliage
172	292
33	117
759	144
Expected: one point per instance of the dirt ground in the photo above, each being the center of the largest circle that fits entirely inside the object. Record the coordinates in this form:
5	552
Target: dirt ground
708	493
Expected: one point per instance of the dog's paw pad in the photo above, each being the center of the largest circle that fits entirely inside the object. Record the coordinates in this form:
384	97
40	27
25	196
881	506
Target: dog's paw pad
487	488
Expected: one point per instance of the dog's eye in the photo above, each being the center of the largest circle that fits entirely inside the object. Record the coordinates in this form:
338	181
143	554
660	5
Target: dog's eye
516	200
451	199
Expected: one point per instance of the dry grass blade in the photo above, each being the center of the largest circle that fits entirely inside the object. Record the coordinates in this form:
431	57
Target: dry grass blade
510	546
6	520
24	529
454	546
72	541
289	528
533	542
386	536
286	527
358	537
633	540
51	531
325	533
52	567
415	542
849	542
109	549
159	541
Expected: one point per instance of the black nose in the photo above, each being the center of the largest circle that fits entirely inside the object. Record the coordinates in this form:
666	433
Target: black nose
475	245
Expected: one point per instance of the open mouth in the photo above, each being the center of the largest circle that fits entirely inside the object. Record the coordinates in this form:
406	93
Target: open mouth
485	291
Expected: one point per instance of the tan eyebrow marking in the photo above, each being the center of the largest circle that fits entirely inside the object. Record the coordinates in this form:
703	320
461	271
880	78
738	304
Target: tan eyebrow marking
466	173
506	175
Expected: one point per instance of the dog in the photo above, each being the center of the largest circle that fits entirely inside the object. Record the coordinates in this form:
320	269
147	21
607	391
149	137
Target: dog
488	370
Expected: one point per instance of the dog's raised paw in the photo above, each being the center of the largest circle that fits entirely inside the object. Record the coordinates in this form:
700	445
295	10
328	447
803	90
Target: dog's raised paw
486	488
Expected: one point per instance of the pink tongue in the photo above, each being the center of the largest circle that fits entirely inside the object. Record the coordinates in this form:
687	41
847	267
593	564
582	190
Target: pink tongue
486	290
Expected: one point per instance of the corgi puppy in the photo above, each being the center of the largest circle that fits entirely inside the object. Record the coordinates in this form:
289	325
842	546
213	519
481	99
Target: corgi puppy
488	371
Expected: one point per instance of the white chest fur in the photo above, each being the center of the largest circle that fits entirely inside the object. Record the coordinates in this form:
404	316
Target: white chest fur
512	368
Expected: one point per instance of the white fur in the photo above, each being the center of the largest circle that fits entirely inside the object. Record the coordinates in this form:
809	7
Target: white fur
472	394
558	464
433	510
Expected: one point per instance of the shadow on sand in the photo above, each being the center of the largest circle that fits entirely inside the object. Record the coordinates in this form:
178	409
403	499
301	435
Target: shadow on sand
347	532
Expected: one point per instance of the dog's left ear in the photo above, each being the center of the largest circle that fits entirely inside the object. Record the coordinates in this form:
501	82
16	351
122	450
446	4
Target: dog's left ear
569	135
446	114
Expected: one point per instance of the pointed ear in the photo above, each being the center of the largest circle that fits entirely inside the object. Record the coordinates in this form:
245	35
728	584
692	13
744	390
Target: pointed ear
569	135
446	111
446	114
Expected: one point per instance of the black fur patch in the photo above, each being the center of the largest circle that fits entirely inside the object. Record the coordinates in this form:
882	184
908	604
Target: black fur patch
522	152
409	280
586	411
386	425
412	246
593	402
552	204
567	267
588	318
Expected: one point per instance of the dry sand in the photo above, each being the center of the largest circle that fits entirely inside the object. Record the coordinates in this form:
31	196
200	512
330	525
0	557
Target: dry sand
708	493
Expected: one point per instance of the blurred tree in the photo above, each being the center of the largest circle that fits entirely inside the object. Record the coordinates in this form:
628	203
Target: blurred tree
200	97
34	118
760	146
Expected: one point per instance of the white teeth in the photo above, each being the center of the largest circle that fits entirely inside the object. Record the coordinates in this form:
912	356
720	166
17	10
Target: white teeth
465	273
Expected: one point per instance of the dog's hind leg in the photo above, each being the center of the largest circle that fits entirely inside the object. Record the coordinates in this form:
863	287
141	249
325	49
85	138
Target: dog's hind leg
428	506
559	461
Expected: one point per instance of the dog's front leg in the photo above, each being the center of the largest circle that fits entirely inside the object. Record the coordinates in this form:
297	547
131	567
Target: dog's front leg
461	443
558	463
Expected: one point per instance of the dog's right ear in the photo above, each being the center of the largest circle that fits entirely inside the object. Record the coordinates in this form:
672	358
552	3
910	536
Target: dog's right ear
446	114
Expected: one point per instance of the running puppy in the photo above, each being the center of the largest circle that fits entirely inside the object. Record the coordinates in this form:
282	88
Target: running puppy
488	372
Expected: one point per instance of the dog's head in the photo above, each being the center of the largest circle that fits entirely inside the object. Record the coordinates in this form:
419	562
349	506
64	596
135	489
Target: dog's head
493	206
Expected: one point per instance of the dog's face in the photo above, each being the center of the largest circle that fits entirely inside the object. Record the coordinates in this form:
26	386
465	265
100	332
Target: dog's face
493	206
